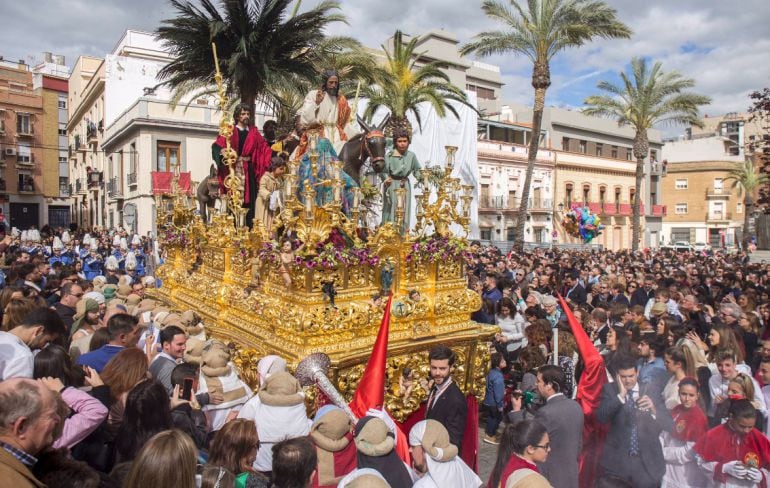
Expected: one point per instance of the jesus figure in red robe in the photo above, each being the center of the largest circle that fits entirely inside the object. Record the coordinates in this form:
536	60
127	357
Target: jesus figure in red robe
253	157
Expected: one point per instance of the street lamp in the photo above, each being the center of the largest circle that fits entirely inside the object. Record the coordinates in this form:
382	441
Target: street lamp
561	207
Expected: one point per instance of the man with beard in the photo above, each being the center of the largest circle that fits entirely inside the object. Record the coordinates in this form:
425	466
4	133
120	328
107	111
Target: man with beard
446	403
40	327
328	110
253	157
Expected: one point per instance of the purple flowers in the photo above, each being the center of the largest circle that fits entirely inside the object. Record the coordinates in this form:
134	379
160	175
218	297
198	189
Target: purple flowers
437	248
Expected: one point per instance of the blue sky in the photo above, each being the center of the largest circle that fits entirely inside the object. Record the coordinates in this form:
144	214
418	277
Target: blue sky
724	46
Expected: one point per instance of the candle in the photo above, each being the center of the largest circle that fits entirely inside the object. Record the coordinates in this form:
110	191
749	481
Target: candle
425	177
400	198
313	141
337	191
308	200
356	198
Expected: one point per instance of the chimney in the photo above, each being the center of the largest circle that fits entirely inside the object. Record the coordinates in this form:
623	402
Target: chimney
47	57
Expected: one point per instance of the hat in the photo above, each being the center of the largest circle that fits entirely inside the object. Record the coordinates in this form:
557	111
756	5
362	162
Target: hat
658	308
373	438
434	439
111	263
131	261
136	241
58	245
282	390
109	292
83	306
330	428
123	244
123	291
99	282
65	237
360	479
116	241
96	296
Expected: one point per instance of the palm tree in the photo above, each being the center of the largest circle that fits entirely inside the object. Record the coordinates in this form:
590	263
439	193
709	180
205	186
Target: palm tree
747	180
401	85
259	44
646	97
540	30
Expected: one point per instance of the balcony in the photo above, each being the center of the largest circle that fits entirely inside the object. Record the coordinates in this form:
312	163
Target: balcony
131	179
26	132
717	194
161	182
718	217
657	168
80	187
95	181
65	190
493	203
79	146
115	188
25	160
659	211
540	205
91	135
26	186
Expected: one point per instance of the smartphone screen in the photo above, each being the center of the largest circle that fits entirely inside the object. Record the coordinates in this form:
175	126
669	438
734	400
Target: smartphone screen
187	387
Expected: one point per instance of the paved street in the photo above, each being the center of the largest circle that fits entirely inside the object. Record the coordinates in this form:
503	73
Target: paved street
487	455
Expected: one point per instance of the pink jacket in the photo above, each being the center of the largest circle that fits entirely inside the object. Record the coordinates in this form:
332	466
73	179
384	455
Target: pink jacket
88	414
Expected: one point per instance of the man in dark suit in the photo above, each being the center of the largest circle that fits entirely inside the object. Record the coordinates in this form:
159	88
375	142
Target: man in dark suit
563	418
643	294
632	451
446	403
574	292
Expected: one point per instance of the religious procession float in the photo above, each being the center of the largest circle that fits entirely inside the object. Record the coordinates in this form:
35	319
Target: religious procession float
306	285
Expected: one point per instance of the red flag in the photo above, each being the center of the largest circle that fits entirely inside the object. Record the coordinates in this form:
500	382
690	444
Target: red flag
370	392
589	395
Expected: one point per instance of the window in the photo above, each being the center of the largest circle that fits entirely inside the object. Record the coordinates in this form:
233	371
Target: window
680	208
23	125
168	156
132	158
23	154
481	92
63	160
586	192
510	234
653	155
602	192
681	184
485	234
617	195
739	207
583	147
718	185
569	194
26	182
64	185
599	149
565	143
631	194
629	155
63	104
63	132
614	152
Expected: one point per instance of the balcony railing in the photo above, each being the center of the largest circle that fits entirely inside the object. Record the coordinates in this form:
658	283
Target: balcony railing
487	202
659	211
540	204
91	135
64	190
657	168
79	185
115	188
26	187
718	216
131	179
26	132
717	193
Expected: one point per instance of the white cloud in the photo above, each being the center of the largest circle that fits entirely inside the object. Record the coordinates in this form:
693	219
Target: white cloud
722	45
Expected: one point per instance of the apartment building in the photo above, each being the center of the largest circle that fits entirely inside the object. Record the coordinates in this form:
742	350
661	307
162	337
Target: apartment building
32	107
599	148
127	139
703	207
502	159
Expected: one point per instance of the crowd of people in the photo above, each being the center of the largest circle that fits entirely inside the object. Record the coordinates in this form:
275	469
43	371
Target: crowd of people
101	386
683	389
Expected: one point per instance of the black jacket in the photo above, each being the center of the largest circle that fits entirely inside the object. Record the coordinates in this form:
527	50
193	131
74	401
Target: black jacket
451	410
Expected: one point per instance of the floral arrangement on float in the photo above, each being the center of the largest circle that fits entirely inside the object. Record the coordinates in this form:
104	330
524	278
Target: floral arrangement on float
335	252
436	248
